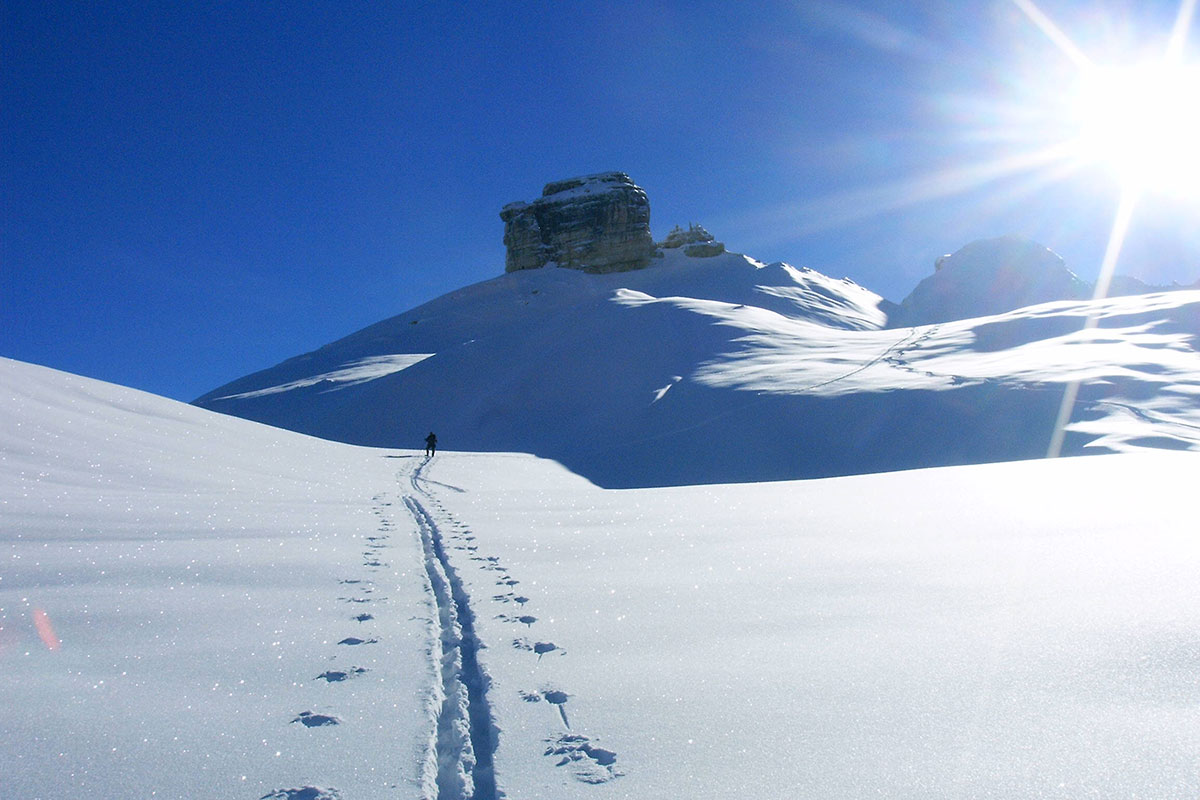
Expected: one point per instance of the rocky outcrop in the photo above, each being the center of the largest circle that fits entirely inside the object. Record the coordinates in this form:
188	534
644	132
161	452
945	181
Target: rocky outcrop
595	223
990	276
695	241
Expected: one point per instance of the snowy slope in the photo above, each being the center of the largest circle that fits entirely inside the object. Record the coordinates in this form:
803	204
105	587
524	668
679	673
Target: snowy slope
175	581
557	363
1004	631
631	379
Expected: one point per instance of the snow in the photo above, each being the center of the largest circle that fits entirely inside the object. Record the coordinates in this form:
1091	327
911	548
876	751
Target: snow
196	572
360	371
175	580
574	188
633	379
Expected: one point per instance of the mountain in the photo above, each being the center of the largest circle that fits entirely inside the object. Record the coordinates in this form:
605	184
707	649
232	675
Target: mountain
990	276
631	378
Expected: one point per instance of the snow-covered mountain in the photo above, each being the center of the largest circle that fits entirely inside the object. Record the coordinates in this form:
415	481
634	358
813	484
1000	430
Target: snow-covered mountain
632	378
990	276
193	605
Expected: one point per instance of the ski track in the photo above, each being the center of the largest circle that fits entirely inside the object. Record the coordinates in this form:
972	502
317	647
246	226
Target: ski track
588	762
460	762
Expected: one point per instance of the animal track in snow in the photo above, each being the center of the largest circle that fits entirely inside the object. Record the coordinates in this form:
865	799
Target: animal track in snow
304	793
541	648
354	640
311	720
589	763
364	617
556	697
337	676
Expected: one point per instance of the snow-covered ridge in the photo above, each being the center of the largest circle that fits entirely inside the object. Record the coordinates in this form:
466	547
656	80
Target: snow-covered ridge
628	377
355	372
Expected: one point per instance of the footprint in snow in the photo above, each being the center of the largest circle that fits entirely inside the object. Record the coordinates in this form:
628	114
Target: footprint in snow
364	617
589	763
541	648
337	676
311	720
558	698
354	640
304	793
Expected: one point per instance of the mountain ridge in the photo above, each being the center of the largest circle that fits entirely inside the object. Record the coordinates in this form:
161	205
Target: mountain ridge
625	377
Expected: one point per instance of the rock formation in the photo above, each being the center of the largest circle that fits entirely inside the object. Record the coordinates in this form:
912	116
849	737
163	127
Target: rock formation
595	223
695	241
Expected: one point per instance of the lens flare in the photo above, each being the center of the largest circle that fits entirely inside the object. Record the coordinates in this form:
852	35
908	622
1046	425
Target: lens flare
41	621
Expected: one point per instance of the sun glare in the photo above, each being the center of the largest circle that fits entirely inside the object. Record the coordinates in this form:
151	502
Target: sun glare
1143	123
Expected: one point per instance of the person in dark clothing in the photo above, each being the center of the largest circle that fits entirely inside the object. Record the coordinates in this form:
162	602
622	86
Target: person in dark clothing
430	444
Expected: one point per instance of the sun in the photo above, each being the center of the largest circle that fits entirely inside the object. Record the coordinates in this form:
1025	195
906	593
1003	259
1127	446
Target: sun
1142	122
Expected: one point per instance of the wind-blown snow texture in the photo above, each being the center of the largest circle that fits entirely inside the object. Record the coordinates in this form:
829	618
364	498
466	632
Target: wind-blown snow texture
635	379
193	605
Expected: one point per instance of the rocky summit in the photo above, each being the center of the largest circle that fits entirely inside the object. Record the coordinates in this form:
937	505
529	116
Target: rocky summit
594	223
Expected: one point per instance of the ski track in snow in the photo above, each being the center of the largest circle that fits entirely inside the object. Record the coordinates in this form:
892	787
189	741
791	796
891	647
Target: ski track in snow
459	764
589	763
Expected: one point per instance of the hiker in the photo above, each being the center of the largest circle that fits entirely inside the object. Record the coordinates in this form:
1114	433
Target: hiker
430	445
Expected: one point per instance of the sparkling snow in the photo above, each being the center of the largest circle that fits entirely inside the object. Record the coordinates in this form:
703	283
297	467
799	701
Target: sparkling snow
176	584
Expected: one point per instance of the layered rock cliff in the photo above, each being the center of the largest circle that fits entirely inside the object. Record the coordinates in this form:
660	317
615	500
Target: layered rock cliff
594	223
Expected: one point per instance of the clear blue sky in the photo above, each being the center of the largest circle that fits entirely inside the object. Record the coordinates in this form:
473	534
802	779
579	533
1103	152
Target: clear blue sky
194	191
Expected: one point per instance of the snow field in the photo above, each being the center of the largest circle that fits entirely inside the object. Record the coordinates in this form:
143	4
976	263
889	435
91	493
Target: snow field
194	605
1015	630
197	574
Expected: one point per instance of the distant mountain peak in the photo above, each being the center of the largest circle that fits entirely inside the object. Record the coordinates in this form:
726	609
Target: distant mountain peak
990	276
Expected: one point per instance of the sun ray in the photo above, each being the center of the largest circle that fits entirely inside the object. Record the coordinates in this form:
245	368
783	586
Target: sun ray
1054	33
842	208
1179	32
1112	253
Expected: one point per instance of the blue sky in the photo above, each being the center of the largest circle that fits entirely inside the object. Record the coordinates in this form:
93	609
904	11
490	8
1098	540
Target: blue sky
192	192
